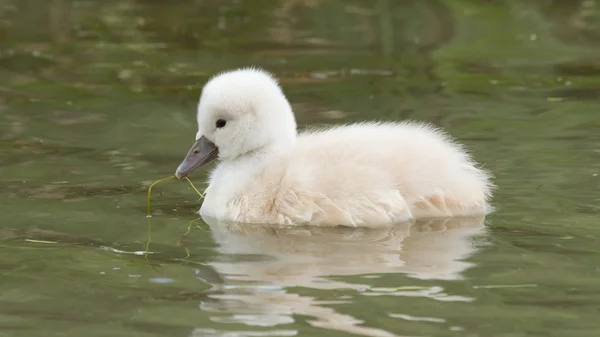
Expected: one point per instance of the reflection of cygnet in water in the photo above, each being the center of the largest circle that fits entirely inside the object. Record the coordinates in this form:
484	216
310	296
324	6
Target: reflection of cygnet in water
259	262
302	256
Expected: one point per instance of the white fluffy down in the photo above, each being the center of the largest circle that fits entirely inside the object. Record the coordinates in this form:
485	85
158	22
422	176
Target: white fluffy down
362	175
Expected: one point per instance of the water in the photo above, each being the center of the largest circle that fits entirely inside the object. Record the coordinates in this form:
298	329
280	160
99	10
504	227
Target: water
97	101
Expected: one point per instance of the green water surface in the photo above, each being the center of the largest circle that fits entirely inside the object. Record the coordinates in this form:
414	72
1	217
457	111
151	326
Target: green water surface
97	100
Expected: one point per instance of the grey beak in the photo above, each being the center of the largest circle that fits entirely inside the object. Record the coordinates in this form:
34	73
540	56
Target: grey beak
203	152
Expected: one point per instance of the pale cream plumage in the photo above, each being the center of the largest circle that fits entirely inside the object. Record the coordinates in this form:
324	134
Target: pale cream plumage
360	175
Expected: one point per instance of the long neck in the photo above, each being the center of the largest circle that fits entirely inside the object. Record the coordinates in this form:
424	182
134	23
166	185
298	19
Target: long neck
263	156
231	175
284	128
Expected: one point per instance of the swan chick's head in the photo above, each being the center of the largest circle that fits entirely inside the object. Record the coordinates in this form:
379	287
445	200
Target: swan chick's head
240	112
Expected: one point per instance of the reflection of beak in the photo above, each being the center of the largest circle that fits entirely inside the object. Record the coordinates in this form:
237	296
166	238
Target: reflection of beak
203	152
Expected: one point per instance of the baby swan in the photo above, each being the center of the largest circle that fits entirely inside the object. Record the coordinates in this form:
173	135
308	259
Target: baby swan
360	175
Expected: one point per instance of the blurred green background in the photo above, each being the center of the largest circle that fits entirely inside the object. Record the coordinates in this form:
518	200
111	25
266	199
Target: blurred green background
97	100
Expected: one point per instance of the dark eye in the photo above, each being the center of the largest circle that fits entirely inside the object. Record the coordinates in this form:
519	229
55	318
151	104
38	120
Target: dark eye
221	123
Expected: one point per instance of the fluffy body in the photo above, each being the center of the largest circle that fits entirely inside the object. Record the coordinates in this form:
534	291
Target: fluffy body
361	175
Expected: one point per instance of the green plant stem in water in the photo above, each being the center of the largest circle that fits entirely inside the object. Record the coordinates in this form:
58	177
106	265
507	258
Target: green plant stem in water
163	180
149	239
190	226
149	215
194	187
150	190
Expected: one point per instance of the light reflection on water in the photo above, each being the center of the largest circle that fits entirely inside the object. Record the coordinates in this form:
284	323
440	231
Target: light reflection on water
253	291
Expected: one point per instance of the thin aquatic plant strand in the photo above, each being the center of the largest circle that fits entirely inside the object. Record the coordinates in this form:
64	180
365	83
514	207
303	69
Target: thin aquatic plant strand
189	230
190	226
194	187
149	239
150	190
163	180
149	214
